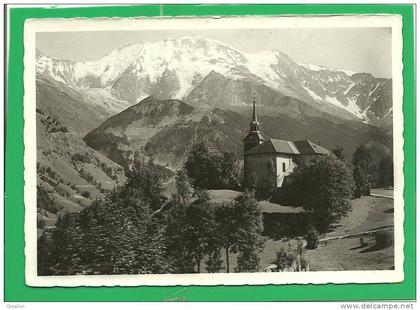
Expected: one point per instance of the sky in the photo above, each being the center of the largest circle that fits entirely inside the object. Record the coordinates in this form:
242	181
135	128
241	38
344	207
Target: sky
355	49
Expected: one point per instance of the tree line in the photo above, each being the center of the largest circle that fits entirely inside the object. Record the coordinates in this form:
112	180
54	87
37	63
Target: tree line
136	229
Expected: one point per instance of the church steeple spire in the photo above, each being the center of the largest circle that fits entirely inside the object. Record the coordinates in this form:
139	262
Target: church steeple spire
255	125
254	137
254	112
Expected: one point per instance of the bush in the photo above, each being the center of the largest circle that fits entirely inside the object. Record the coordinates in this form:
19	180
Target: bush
312	239
384	238
53	125
83	158
86	194
284	259
292	258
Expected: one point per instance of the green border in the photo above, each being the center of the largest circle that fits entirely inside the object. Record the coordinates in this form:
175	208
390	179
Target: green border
15	288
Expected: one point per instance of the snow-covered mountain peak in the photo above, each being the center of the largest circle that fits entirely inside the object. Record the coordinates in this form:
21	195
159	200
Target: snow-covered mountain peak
173	67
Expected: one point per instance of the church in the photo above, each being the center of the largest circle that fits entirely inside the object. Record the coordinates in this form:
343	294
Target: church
261	153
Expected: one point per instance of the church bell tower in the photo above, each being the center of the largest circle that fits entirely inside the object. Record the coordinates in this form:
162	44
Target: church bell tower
254	137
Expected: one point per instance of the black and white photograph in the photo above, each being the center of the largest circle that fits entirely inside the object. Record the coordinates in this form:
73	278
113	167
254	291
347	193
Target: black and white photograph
213	151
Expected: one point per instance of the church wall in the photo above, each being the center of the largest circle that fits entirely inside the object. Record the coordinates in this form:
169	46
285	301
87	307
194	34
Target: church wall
288	167
256	166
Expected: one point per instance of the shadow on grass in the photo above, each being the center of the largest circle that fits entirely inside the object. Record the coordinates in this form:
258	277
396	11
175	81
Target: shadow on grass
383	227
373	248
358	247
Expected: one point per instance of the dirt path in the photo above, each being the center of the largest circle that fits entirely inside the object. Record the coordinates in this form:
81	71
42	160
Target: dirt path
383	196
363	233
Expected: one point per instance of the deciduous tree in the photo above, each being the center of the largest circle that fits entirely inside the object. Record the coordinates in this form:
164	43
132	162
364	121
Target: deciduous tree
145	181
323	187
208	168
338	151
227	229
249	236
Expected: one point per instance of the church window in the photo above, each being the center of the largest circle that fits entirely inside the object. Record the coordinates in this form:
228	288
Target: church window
284	167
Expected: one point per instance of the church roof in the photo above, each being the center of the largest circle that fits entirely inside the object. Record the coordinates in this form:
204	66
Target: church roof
288	147
308	147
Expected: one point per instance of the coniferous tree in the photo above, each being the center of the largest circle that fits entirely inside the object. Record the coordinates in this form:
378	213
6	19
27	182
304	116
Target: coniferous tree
230	171
43	256
363	158
65	254
183	185
386	172
361	181
363	171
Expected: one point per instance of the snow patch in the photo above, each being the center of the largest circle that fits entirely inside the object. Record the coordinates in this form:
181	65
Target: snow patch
320	68
313	94
350	107
349	88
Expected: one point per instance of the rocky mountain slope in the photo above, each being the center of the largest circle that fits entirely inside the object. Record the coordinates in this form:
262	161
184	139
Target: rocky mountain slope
174	68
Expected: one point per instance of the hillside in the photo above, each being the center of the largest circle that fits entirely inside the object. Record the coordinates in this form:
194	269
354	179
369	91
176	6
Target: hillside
69	106
167	129
70	175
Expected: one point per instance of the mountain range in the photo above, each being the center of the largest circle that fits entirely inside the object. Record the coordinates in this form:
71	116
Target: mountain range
174	68
156	99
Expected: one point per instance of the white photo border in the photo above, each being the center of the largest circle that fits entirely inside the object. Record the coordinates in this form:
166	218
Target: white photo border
33	26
